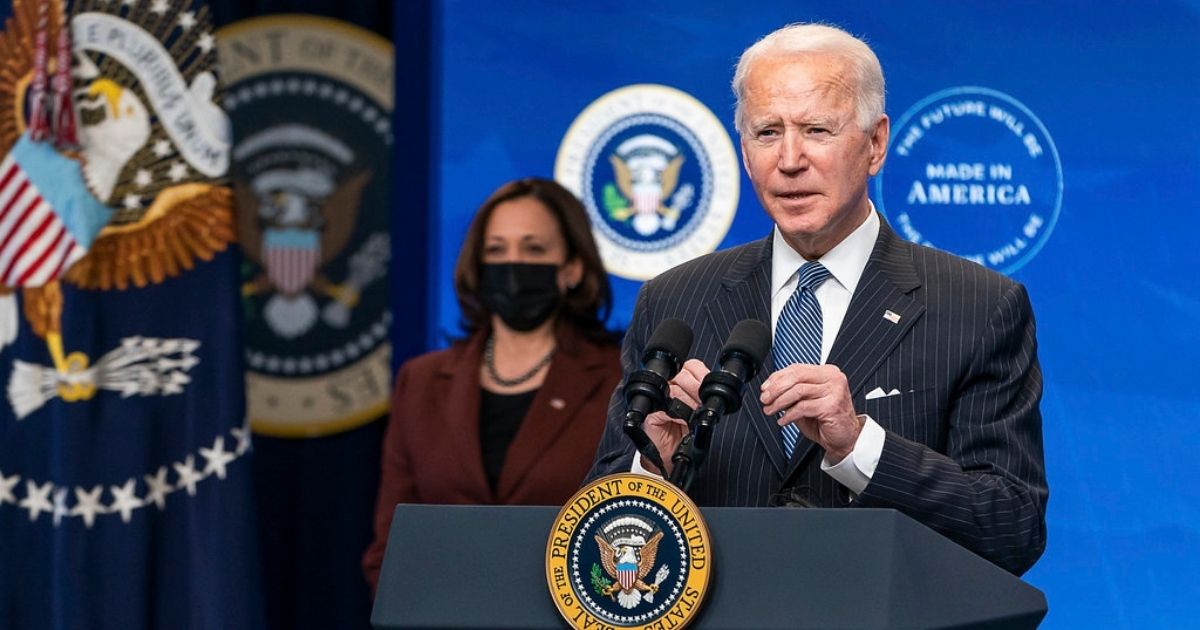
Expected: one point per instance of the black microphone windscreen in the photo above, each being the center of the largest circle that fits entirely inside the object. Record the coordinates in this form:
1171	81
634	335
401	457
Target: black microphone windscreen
751	338
673	336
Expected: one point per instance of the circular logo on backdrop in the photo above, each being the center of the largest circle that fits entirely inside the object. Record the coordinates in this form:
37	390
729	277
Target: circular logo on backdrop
974	172
311	101
628	551
657	173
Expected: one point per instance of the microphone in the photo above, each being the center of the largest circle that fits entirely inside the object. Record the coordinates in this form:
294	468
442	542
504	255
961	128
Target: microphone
646	390
739	361
721	393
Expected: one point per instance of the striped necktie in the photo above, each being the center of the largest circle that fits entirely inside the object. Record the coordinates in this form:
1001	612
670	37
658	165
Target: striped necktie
798	333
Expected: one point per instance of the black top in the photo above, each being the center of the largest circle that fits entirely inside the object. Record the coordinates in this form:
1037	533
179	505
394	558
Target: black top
500	416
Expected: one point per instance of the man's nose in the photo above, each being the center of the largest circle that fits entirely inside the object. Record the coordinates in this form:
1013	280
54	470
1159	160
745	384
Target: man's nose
792	158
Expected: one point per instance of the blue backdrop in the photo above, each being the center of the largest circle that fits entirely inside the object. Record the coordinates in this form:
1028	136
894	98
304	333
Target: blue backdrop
1111	269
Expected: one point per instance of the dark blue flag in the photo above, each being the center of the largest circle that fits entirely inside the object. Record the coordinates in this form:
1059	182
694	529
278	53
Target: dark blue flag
125	479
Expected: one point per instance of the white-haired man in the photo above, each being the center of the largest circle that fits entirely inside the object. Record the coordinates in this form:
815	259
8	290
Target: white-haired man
899	376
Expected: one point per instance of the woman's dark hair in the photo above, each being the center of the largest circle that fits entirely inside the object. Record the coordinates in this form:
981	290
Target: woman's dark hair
585	306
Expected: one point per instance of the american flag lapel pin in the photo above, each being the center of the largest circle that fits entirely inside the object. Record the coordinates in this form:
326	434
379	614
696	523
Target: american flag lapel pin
891	317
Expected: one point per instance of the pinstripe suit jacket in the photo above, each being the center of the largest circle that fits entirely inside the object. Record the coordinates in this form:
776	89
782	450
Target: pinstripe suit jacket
963	452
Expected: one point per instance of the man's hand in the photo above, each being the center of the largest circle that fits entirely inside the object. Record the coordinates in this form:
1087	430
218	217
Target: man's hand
817	399
667	432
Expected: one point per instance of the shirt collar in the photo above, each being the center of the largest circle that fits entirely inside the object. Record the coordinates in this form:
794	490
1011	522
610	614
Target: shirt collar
845	262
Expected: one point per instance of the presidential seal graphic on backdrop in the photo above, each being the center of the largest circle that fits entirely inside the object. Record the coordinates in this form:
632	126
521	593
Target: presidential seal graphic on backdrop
974	172
310	177
657	173
628	551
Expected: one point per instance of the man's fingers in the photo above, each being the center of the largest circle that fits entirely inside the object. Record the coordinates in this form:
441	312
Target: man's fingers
799	373
686	385
792	395
684	397
659	420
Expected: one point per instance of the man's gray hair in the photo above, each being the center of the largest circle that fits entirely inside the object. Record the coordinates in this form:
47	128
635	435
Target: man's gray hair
798	39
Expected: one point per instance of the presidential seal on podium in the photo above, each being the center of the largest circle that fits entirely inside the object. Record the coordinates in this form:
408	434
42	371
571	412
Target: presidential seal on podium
629	551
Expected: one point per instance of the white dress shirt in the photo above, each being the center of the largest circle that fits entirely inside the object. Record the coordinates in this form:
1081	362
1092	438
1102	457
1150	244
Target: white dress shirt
845	262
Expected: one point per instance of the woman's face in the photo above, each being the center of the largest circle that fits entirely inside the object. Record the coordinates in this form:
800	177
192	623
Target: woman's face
523	230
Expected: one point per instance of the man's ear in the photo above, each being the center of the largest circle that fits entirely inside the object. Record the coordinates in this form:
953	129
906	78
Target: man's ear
879	144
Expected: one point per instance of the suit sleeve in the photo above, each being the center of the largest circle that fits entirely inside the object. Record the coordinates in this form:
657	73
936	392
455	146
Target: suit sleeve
988	491
395	481
615	452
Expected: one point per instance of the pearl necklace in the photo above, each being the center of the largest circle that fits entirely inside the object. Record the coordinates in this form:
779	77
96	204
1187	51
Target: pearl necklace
489	359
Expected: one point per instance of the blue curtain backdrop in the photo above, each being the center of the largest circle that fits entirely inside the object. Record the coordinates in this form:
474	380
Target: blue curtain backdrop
1111	266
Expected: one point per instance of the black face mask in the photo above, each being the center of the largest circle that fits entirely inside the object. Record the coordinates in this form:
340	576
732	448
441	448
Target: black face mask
523	295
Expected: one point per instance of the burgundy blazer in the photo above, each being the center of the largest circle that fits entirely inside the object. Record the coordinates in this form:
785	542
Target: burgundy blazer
431	450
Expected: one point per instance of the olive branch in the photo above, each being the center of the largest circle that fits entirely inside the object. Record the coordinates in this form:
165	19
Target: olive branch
600	583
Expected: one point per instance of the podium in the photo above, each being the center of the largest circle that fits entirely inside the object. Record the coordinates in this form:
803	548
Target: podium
483	567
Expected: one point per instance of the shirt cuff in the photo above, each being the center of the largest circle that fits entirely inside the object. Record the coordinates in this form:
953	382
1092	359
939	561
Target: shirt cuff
856	470
638	469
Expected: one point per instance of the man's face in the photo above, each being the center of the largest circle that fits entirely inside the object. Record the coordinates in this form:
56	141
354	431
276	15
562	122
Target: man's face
805	153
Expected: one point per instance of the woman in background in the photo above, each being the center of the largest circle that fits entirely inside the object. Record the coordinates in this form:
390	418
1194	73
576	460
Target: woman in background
512	413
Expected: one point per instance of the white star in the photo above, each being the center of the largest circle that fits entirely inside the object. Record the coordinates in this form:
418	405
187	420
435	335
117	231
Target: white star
143	178
159	7
158	488
243	439
162	148
177	171
37	499
188	477
187	20
6	486
60	506
206	42
125	500
216	458
87	505
132	201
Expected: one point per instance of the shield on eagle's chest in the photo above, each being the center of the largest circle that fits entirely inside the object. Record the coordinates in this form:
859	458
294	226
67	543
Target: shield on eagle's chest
291	257
647	198
627	575
44	207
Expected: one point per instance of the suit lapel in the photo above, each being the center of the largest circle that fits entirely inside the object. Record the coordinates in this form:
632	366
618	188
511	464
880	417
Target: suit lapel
881	312
574	375
746	294
462	415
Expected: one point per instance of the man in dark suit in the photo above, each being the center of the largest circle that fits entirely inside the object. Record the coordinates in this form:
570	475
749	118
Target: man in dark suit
899	377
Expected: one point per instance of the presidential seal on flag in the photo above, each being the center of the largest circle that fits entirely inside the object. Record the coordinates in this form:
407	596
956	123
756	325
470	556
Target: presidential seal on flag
111	132
122	428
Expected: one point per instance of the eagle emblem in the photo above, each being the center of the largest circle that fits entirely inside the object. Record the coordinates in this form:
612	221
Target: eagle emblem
628	547
133	206
292	220
646	168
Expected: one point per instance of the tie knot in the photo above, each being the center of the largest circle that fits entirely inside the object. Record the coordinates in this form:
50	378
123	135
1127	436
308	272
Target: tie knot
812	274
